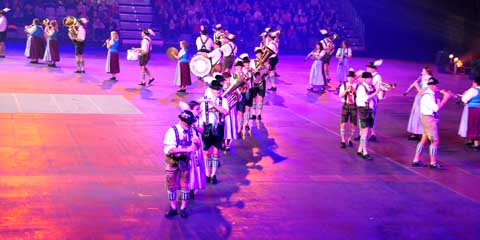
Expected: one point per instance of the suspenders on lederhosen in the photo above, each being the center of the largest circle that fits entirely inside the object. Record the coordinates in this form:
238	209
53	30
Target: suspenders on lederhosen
203	48
212	130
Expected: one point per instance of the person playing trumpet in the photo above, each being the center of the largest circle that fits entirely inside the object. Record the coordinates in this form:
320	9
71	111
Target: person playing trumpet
429	108
257	91
52	53
414	126
113	61
347	94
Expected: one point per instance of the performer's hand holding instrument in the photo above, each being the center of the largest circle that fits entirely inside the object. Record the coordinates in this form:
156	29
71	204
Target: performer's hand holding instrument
416	82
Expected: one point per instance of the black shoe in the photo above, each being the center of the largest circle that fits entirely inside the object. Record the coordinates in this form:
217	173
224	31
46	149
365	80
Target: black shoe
360	154
183	90
191	195
373	138
350	144
343	145
151	81
240	135
413	137
183	213
367	157
142	84
436	166
247	128
253	117
34	62
2	56
469	143
209	179
417	164
52	65
113	79
259	117
214	179
171	212
273	89
356	138
82	71
78	71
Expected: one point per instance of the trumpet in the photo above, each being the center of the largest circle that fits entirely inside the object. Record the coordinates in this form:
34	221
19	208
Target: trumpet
46	22
387	86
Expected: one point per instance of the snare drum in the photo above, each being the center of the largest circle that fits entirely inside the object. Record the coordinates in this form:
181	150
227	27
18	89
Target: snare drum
132	55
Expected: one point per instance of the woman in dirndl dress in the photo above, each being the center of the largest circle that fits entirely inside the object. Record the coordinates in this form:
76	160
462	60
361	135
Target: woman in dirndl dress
317	73
52	54
414	126
231	123
343	54
37	42
462	129
113	61
182	75
198	179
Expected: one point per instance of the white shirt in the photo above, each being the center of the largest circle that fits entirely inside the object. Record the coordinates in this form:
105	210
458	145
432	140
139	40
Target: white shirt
215	56
213	115
146	46
229	49
428	103
362	96
469	94
3	24
170	141
273	45
207	41
347	53
31	29
343	90
181	52
81	34
377	82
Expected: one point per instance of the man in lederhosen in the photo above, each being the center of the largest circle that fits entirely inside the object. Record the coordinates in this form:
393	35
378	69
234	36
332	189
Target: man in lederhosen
329	47
204	42
145	53
347	94
215	57
257	92
214	107
79	43
272	44
180	143
229	49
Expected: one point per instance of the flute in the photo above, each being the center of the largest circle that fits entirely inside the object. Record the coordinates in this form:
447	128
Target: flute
412	86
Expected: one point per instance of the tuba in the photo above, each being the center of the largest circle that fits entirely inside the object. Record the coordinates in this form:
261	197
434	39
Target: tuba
267	53
231	94
70	23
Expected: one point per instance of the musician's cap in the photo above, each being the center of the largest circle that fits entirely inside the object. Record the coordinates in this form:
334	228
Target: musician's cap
187	117
245	58
268	29
83	20
273	34
375	64
351	72
258	50
231	37
238	62
324	32
218	27
432	81
2	11
203	30
367	75
215	84
218	76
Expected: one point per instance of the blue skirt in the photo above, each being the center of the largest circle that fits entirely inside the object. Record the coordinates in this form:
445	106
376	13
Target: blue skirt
414	122
342	70
317	75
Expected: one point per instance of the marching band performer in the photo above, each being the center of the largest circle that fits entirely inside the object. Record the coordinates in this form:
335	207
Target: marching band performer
37	42
52	53
214	107
366	94
242	113
204	42
229	50
218	33
79	43
180	144
113	60
197	163
3	31
343	54
329	47
317	71
429	107
182	75
272	44
347	95
377	82
145	53
215	57
257	91
414	122
231	123
472	99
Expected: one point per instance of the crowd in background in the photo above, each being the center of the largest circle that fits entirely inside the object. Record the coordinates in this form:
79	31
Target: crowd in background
298	20
103	15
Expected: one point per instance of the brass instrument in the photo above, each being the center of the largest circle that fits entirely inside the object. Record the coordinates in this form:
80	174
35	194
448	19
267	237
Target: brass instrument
267	53
70	22
387	86
231	94
46	22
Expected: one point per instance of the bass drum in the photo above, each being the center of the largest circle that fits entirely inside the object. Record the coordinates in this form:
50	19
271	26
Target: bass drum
200	66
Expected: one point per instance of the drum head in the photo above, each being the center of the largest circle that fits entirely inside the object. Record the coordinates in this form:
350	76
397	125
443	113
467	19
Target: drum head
200	66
